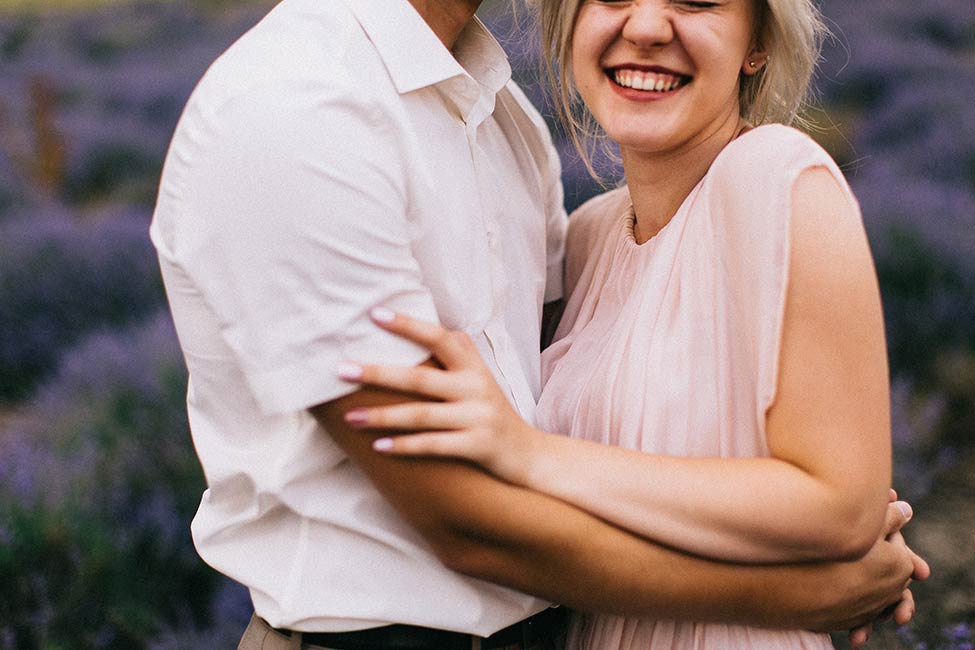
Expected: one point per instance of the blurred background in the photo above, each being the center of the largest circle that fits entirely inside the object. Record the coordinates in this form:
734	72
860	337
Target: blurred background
98	477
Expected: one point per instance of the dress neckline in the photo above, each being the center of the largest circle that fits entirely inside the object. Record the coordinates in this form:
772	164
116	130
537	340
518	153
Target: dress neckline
628	218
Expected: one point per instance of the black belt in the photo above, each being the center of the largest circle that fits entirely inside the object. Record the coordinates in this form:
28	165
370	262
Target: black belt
546	624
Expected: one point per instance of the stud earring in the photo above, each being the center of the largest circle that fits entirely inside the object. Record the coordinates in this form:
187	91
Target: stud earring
752	64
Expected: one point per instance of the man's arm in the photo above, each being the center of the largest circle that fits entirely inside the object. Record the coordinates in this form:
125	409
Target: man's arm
488	529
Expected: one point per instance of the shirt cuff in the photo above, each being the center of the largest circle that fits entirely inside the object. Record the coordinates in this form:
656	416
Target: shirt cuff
313	379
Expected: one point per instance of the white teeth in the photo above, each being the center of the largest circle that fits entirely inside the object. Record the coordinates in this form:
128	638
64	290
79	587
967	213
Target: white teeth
647	81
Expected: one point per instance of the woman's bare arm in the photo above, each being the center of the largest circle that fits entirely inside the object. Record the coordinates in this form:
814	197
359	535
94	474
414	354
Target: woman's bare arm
821	495
506	534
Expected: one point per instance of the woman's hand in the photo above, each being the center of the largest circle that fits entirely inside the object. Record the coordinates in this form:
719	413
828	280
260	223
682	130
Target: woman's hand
472	418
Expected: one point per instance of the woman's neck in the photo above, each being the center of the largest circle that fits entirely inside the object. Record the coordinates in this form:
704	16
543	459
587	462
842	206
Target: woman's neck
659	182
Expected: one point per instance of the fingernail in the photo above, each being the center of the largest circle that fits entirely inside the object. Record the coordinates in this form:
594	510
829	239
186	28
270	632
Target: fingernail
905	509
382	315
356	416
349	371
382	444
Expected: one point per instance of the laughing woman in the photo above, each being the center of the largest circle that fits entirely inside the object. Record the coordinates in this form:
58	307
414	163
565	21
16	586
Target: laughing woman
719	374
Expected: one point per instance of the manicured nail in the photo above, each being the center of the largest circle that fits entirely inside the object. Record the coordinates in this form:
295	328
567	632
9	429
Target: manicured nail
382	315
349	371
382	444
905	509
356	416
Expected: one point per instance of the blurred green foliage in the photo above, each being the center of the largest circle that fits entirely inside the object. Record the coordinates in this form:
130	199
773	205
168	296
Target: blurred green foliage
98	486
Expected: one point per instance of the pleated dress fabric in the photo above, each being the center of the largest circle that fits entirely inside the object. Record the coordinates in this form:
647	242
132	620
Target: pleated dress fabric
672	346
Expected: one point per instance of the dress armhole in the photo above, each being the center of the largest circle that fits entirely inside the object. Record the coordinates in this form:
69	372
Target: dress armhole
770	365
751	205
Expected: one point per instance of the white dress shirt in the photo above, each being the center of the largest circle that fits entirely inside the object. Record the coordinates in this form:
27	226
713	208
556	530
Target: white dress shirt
336	158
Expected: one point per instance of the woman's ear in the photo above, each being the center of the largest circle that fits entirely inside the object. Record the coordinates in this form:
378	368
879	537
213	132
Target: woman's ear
758	53
755	61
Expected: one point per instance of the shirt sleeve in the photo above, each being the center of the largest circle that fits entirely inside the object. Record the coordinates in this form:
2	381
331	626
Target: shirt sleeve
292	225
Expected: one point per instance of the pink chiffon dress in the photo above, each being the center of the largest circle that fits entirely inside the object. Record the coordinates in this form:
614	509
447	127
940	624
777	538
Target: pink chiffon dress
672	346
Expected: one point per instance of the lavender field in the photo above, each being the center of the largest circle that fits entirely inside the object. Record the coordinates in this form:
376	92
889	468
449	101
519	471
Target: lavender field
98	478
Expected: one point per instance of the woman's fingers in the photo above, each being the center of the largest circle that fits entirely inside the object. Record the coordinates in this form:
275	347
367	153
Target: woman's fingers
445	445
453	349
417	380
411	416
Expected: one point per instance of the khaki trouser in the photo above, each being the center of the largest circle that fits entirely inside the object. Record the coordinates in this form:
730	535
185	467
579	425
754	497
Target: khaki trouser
261	636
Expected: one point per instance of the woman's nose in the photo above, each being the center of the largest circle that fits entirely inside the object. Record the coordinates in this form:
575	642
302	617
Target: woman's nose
649	23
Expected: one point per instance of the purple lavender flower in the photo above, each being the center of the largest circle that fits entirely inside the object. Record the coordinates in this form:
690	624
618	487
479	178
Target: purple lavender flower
111	483
959	632
60	278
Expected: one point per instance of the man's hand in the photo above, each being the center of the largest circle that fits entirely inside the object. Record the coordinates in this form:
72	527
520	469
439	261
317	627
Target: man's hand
898	514
874	587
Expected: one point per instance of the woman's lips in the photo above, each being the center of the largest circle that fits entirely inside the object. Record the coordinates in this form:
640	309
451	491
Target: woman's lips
645	79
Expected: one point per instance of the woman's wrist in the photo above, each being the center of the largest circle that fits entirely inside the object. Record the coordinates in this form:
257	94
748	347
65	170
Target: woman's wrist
538	458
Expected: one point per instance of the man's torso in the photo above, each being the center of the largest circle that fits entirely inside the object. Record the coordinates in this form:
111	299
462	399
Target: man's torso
286	513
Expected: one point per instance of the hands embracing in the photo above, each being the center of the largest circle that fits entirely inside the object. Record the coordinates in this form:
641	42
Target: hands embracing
470	418
460	412
890	558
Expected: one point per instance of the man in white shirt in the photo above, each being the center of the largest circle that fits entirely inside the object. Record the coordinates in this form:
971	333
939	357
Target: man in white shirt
346	154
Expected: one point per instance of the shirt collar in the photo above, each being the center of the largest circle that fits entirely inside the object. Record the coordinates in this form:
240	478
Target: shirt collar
415	57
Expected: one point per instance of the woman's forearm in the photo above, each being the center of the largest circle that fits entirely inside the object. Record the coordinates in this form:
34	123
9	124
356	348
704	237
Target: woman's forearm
489	529
738	509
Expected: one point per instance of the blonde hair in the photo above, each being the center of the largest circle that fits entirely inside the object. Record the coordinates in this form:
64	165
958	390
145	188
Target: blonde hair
791	31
